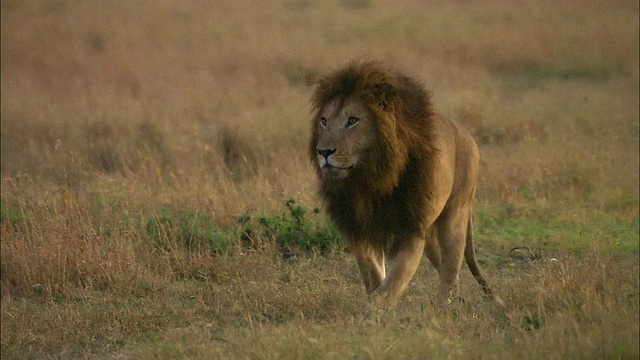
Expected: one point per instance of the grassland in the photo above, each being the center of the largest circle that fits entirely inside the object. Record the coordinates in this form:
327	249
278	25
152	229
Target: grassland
157	201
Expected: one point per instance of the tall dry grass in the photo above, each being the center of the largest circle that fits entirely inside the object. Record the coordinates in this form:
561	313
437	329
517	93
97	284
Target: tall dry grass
115	113
196	91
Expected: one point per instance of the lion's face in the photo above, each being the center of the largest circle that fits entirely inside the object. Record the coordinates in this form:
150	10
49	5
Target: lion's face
345	131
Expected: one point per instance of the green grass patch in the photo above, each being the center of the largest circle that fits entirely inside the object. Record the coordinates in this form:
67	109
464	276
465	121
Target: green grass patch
191	230
551	228
294	232
12	214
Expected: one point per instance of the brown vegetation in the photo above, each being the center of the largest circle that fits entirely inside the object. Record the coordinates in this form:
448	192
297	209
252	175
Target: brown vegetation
136	134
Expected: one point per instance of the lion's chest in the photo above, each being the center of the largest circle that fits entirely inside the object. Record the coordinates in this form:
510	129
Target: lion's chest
372	216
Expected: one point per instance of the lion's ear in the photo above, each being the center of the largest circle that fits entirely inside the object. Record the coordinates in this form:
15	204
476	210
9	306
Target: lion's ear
385	93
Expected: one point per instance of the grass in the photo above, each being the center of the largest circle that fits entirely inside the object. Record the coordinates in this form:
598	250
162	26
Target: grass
157	200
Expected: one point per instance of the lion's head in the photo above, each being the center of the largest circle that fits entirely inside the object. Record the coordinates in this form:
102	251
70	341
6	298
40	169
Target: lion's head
346	132
361	127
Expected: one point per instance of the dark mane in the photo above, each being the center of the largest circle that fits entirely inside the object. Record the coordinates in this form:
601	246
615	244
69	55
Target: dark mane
368	81
389	191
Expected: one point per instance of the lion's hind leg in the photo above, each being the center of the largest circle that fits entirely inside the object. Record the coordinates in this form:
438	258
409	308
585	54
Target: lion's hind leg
451	234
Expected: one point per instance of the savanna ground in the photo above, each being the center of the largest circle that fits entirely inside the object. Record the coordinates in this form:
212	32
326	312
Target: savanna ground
157	201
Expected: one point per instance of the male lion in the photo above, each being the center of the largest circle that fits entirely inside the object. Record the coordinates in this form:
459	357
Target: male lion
398	179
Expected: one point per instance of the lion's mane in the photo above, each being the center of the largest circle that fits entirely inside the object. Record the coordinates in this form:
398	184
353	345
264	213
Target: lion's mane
388	192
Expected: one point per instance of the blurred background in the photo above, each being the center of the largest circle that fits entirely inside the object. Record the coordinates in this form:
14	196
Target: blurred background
206	102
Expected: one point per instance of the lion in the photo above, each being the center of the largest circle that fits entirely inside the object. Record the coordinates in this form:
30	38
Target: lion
397	179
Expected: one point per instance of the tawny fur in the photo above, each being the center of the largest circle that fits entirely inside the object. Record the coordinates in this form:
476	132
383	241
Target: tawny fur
408	191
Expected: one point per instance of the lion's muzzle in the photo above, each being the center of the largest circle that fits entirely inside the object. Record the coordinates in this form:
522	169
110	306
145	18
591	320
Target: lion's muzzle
325	153
330	169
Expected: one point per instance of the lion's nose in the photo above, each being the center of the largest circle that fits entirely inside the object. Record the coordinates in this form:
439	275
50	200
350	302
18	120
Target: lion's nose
325	152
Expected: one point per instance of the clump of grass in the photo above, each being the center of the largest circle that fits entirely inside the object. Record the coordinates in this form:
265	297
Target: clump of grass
294	232
12	215
103	145
114	146
52	246
193	231
238	153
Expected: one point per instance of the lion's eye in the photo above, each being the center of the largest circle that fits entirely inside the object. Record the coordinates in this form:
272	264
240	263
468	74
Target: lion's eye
323	121
352	121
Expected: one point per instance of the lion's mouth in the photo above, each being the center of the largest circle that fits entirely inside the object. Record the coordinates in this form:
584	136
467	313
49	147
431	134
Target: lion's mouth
335	172
337	167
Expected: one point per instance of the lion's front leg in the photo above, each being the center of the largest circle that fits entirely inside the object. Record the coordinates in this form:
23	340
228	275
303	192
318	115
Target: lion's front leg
371	263
404	259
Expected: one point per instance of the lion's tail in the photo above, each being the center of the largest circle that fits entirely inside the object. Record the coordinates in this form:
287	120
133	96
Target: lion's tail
470	258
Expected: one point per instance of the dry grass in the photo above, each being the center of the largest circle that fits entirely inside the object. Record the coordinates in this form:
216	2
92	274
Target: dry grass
117	115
